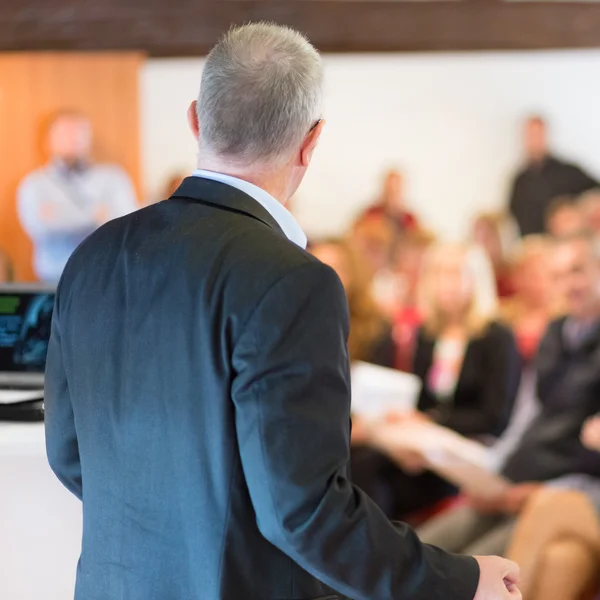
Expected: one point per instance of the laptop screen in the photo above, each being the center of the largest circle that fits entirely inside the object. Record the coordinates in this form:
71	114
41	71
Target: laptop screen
25	319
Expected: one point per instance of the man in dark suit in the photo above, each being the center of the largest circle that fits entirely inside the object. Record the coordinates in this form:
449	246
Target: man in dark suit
197	387
543	178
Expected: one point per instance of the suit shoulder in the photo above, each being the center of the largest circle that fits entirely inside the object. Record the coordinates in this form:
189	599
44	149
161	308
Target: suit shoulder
281	260
258	243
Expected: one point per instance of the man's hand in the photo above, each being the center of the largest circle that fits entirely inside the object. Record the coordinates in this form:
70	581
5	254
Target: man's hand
498	579
510	502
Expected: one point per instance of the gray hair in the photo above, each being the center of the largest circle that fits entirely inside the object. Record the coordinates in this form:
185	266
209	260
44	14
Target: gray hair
261	93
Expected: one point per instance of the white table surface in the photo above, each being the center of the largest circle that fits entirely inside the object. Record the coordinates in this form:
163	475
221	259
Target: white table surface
40	522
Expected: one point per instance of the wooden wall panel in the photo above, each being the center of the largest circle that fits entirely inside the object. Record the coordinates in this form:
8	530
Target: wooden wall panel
185	27
35	85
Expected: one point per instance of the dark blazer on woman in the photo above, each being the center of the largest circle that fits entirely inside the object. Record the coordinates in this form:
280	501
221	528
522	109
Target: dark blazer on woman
487	385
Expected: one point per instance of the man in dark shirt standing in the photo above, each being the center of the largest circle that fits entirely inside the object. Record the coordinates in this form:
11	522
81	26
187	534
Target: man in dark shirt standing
543	178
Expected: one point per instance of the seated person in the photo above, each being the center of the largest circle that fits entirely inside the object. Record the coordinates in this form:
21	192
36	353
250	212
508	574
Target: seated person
567	367
370	338
531	308
374	237
557	540
557	535
565	217
470	369
392	202
408	262
467	360
590	206
495	234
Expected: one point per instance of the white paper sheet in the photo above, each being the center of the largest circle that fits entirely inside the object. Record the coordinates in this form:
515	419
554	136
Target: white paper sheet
377	391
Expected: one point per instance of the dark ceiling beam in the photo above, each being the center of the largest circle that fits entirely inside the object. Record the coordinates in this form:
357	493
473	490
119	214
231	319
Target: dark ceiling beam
190	27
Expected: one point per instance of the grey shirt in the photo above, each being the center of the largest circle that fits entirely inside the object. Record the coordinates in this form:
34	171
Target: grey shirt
59	207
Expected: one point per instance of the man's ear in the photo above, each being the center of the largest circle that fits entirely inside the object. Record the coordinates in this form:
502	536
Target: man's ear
310	143
192	116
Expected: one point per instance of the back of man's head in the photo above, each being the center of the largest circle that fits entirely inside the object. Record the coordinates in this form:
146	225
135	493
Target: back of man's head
260	95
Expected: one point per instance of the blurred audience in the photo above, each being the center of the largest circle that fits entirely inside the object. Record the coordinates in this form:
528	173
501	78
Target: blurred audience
590	206
408	263
392	202
470	369
565	217
533	304
62	203
375	237
568	379
370	338
543	178
492	231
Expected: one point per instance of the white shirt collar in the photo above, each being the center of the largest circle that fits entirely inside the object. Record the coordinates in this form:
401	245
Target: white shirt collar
280	213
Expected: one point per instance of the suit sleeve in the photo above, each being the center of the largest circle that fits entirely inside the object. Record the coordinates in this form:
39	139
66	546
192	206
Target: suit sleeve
498	384
61	436
291	394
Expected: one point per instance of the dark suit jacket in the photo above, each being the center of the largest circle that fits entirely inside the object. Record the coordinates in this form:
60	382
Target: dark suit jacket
487	384
568	388
197	400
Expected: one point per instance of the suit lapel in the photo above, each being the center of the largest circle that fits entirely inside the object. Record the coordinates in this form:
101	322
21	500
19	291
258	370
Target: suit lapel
225	197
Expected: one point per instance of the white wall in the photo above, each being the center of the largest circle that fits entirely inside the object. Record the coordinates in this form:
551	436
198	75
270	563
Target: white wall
451	121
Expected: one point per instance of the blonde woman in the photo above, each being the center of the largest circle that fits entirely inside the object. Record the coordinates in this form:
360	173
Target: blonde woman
467	360
470	368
